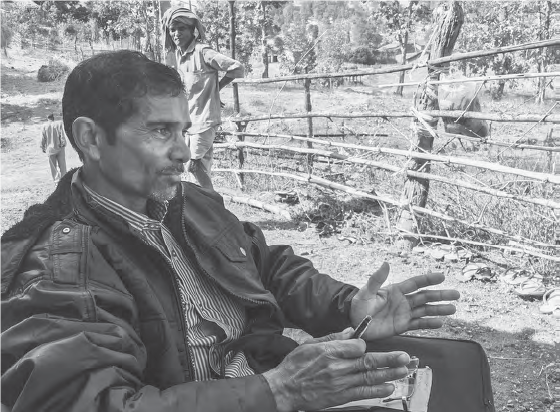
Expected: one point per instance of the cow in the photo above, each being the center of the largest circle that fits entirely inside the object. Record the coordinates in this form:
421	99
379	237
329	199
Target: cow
457	96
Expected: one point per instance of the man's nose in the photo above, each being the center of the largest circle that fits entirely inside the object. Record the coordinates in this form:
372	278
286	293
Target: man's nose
180	152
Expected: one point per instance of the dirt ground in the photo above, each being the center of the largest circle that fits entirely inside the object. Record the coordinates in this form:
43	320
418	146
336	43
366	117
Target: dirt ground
522	344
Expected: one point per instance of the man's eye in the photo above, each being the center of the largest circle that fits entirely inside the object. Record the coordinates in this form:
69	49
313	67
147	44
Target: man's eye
164	132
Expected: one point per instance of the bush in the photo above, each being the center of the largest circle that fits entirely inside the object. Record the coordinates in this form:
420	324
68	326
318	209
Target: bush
384	57
361	55
52	71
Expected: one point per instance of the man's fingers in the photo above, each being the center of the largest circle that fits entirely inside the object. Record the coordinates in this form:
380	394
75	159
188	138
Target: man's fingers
344	335
421	281
369	290
344	349
376	360
427	296
361	392
425	323
433	310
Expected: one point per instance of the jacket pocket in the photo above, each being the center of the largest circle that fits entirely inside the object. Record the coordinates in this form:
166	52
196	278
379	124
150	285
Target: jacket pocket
234	247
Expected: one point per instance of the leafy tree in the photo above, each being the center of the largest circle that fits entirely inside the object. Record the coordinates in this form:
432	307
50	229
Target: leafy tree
297	52
215	17
493	23
334	46
135	19
402	21
542	13
7	31
31	22
64	11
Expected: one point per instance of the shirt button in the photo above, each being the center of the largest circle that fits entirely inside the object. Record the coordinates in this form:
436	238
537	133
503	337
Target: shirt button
173	253
242	251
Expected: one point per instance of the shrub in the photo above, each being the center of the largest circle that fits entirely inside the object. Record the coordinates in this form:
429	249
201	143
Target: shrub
52	71
361	55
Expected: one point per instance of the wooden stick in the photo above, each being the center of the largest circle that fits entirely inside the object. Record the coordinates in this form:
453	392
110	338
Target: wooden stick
318	181
544	177
393	69
470	79
337	186
444	134
473	242
433	113
258	204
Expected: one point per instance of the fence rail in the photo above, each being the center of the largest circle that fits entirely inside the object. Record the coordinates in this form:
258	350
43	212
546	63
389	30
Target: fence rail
404	67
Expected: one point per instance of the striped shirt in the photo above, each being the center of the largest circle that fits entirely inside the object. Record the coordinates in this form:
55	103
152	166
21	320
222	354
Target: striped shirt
212	317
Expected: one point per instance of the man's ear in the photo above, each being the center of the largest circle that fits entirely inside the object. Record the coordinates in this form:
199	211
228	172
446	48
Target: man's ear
87	136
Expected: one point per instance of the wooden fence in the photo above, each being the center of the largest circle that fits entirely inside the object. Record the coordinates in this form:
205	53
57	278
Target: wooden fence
330	152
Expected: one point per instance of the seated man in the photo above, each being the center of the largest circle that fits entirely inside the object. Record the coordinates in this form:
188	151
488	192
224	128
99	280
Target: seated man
129	289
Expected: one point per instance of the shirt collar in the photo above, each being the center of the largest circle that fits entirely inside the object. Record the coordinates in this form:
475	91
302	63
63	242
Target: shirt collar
189	49
138	221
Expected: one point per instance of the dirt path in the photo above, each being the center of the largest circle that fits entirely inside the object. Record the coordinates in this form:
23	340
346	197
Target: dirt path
523	345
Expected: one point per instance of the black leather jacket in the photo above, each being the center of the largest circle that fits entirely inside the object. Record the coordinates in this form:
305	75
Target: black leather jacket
91	318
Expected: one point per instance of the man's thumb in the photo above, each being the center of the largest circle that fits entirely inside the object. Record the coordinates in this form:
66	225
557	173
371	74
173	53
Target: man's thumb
344	335
369	290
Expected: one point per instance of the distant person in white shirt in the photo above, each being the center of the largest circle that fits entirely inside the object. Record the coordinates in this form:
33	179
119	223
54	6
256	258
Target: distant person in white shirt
53	143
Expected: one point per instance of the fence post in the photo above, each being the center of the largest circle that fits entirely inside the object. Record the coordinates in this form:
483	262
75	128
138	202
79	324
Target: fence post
308	109
240	127
449	19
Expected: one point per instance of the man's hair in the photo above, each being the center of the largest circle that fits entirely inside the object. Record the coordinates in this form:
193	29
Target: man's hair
50	117
107	86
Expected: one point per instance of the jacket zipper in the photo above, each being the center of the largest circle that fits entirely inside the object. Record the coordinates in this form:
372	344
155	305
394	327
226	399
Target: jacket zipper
181	310
202	270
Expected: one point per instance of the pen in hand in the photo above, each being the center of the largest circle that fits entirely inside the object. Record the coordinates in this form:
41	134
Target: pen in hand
362	327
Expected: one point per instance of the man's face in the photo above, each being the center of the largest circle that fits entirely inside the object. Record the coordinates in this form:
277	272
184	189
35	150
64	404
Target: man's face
146	159
181	33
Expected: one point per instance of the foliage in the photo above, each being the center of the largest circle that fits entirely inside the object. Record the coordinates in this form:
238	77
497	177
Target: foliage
361	55
297	52
6	31
496	24
63	11
334	46
402	21
29	21
254	21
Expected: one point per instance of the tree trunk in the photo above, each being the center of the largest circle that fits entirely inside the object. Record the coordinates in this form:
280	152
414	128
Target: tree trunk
545	55
399	90
264	73
158	46
232	45
239	125
449	19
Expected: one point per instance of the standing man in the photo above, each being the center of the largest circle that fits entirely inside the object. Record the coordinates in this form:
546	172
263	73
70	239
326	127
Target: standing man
53	142
198	65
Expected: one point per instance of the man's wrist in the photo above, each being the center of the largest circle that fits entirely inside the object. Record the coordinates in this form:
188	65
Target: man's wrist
278	389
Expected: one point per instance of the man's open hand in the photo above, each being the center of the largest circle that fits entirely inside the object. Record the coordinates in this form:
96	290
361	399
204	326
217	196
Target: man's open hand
331	371
403	306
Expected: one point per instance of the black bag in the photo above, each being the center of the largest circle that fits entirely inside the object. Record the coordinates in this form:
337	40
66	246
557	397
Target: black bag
461	374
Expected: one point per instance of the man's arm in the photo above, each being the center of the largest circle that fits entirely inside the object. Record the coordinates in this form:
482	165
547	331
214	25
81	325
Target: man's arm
62	135
312	301
68	347
44	140
233	68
